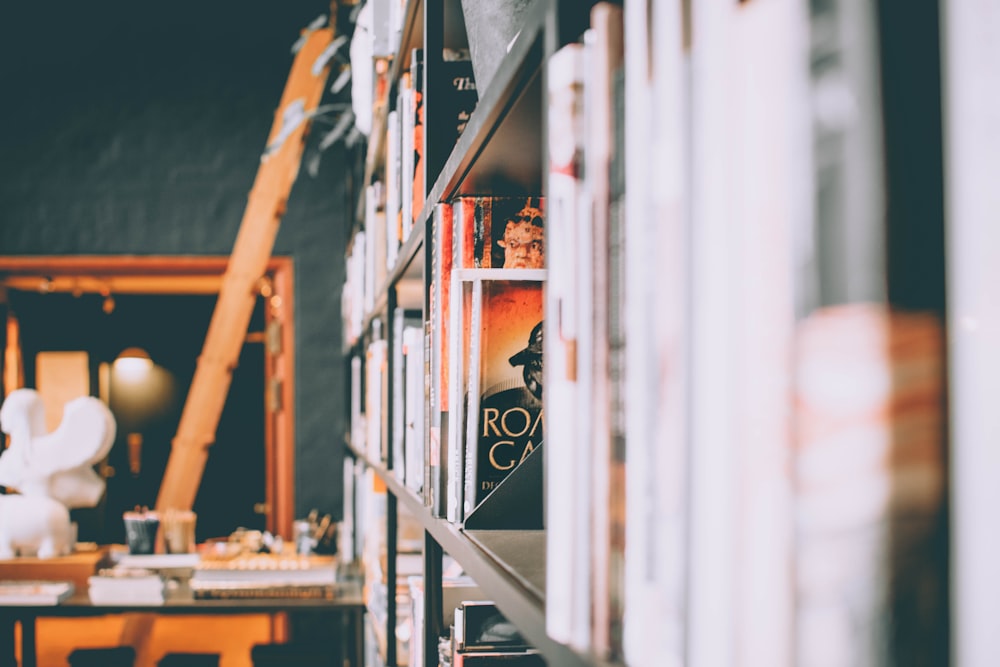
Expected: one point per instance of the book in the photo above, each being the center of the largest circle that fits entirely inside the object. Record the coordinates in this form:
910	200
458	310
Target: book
570	293
871	482
603	45
346	550
393	186
375	246
34	592
125	585
406	106
489	232
442	231
353	292
376	388
481	626
495	232
459	101
402	320
265	576
411	106
414	384
248	590
528	658
501	366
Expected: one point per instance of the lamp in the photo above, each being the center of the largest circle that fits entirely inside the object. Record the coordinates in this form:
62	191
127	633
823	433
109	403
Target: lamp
133	353
133	360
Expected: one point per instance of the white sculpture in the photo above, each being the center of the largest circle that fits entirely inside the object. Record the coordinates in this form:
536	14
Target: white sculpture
52	472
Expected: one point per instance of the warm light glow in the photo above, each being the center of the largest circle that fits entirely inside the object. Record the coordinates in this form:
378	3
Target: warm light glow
133	362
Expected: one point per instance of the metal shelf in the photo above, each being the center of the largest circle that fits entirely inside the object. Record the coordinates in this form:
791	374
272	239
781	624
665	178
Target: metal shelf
508	565
502	141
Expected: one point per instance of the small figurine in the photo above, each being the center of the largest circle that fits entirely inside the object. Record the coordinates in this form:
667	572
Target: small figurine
51	472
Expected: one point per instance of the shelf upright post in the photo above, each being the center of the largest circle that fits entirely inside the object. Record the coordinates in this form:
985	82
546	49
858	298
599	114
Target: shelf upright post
433	616
433	612
436	152
391	515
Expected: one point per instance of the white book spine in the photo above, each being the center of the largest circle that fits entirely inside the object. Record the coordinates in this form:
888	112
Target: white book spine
374	364
772	193
457	364
562	497
398	396
413	349
472	407
972	155
713	452
392	182
407	158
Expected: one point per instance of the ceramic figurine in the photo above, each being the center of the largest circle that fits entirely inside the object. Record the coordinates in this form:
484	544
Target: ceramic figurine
51	472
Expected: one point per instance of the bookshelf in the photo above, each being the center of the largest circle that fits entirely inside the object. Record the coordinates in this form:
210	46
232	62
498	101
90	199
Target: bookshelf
500	150
699	511
504	563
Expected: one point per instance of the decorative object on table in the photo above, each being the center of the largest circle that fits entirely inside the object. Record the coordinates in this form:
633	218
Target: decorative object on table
141	526
178	531
52	472
314	534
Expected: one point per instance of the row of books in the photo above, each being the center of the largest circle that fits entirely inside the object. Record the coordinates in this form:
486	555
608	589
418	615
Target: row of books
585	340
394	201
777	407
741	428
466	391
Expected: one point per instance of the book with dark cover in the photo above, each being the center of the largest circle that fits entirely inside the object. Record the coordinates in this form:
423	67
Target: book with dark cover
460	101
480	626
492	658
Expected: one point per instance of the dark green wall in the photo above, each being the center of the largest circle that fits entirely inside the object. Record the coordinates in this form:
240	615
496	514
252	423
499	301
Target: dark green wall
136	128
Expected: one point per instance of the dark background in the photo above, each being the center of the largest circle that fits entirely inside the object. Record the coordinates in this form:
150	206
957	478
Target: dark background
136	128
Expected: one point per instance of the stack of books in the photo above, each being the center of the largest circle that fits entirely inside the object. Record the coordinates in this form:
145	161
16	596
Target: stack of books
259	576
126	585
34	593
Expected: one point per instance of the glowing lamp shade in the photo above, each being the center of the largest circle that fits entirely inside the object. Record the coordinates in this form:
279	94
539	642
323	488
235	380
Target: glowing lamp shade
133	361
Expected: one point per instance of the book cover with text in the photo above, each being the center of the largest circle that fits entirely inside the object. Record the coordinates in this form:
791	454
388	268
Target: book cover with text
503	411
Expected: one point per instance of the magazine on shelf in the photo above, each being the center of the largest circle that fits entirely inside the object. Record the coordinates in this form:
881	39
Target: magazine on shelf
499	371
490	232
498	232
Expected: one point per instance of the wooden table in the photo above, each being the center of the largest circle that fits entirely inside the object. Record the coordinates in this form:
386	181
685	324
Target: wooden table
348	603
